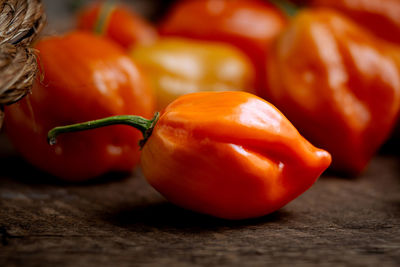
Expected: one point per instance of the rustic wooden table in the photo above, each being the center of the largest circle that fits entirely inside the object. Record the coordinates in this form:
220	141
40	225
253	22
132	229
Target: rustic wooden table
120	220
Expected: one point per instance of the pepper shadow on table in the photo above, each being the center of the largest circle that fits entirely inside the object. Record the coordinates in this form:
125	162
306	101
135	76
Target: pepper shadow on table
20	170
168	217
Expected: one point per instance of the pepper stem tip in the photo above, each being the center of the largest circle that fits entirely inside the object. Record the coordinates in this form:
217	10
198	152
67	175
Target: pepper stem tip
144	125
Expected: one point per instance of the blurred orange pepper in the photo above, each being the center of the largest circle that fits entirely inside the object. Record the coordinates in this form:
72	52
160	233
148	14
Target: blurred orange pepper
382	17
117	22
228	154
178	66
338	84
84	78
250	25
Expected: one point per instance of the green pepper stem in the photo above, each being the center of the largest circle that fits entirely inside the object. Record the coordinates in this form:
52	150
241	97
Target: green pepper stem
104	15
144	125
287	7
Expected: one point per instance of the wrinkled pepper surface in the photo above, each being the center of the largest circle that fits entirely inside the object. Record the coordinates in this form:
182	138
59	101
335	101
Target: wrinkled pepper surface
228	154
84	77
177	66
338	84
118	23
250	25
382	17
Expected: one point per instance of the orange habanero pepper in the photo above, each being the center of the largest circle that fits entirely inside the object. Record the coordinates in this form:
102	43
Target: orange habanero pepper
84	77
250	25
228	154
382	17
118	23
338	84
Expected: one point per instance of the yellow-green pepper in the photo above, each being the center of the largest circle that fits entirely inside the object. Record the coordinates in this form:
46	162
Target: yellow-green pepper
177	66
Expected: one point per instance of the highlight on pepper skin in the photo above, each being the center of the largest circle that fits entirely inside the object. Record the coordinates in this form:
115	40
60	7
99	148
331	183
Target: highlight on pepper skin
229	154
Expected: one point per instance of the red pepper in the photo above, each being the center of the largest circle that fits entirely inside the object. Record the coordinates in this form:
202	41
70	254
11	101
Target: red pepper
338	84
117	22
228	154
84	77
382	17
248	24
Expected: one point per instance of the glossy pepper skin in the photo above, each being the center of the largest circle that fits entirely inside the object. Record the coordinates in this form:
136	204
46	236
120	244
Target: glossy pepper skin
84	78
382	17
250	25
227	154
338	84
121	24
178	66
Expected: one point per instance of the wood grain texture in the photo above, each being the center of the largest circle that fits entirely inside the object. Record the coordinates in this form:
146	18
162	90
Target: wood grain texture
120	220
